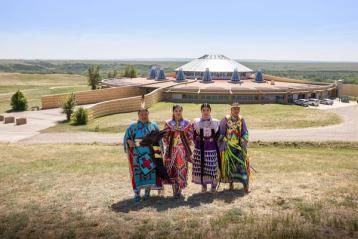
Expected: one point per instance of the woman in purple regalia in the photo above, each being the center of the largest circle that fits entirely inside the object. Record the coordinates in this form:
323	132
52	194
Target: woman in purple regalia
206	152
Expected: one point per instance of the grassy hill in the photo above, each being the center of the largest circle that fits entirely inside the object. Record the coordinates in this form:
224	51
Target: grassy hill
313	71
35	85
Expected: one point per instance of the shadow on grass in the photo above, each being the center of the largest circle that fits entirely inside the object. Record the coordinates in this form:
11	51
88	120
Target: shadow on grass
68	122
164	203
15	111
65	121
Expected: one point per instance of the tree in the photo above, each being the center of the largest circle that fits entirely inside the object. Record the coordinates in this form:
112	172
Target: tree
115	73
130	71
94	77
19	101
68	105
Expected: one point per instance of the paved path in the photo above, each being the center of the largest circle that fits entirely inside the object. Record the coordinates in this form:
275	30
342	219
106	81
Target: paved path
346	131
78	137
38	120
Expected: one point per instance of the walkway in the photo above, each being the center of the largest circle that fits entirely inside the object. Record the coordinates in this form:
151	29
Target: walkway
346	131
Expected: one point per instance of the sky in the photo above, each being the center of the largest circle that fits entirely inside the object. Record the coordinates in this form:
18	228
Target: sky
304	30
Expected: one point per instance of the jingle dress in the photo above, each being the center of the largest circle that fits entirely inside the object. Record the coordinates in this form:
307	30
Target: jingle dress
206	151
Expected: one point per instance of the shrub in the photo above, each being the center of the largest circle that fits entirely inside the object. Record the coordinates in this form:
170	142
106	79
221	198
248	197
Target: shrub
80	116
68	105
19	101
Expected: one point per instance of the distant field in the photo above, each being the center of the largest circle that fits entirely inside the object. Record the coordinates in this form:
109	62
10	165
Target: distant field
84	191
80	67
312	71
35	85
266	116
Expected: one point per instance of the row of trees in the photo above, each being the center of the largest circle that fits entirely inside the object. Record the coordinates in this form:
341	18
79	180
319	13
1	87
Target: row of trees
94	75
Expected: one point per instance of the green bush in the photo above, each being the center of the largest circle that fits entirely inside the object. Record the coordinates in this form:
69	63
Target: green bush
68	105
80	116
19	101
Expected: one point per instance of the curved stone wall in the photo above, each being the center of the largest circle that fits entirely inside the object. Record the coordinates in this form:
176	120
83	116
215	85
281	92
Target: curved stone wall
91	96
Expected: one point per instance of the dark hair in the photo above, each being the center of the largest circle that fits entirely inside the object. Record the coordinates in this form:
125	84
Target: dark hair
142	109
205	105
176	106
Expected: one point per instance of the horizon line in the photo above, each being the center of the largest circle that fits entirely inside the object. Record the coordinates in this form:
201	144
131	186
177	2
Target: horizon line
179	59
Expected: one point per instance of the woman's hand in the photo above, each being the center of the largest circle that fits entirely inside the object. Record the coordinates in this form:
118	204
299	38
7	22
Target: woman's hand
130	143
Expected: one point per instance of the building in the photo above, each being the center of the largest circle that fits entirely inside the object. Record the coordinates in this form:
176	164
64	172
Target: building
220	67
229	81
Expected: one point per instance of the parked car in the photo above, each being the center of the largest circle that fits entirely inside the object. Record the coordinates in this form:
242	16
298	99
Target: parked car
313	102
344	99
302	102
327	102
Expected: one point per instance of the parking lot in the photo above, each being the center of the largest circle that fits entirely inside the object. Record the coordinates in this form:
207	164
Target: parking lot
336	104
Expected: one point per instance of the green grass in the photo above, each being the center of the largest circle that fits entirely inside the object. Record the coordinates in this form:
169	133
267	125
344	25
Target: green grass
36	85
268	116
300	190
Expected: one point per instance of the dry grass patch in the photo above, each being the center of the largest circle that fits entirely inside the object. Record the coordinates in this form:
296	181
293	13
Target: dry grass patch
299	191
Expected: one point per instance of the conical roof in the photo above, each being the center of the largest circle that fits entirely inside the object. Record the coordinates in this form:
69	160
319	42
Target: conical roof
216	63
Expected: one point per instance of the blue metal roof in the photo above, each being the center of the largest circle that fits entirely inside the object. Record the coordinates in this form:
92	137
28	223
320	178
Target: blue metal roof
235	76
180	75
207	75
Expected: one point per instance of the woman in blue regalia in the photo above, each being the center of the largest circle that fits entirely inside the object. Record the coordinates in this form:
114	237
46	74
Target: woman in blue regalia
141	161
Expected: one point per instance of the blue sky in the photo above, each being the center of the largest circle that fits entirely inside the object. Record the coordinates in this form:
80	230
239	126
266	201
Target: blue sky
243	29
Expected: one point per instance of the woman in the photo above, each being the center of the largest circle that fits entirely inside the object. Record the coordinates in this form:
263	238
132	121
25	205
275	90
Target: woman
233	139
206	152
177	141
142	169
